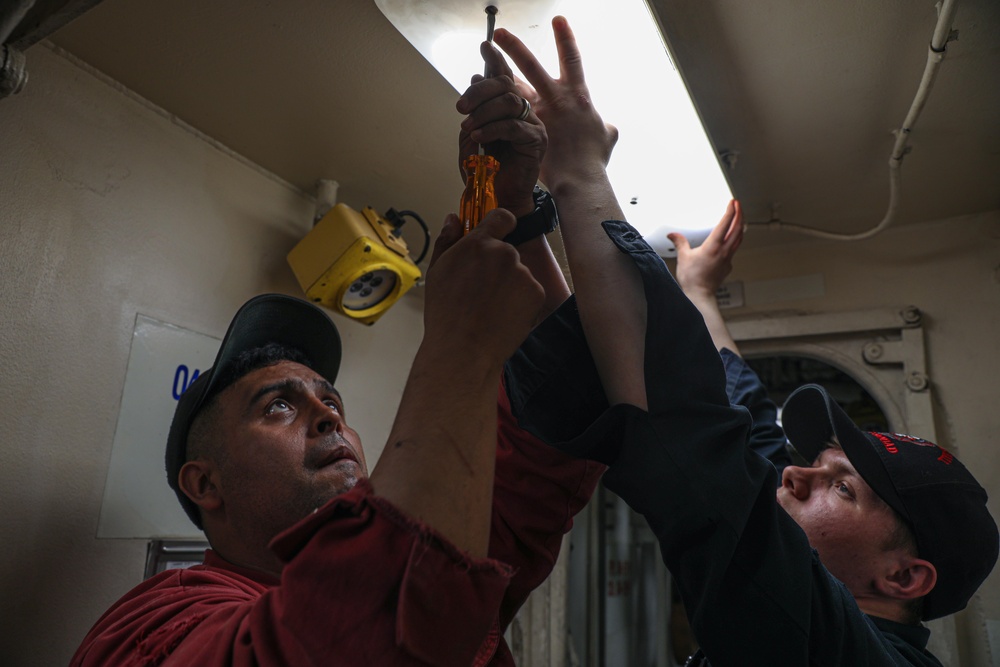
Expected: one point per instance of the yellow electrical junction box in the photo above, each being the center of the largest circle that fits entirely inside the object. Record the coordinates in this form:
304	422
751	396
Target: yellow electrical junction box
351	262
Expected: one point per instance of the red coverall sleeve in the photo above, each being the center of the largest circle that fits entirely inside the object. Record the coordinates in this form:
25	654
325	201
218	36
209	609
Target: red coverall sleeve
364	585
537	491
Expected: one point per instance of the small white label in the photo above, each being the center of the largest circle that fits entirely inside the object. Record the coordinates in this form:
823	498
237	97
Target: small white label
730	295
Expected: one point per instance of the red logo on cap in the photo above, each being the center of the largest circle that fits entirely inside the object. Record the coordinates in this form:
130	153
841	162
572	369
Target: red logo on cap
890	446
913	440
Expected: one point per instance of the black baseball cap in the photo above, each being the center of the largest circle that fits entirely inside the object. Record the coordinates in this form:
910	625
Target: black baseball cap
930	488
268	318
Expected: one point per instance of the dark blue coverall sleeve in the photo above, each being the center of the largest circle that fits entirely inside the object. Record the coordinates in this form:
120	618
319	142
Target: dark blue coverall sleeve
744	387
755	592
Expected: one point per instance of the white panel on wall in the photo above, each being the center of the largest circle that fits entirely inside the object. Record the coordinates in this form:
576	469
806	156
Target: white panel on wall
138	502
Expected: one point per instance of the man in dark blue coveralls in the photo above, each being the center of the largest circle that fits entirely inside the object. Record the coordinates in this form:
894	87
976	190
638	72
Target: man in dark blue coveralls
836	568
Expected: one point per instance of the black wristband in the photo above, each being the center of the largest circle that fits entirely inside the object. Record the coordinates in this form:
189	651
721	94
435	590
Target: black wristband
542	220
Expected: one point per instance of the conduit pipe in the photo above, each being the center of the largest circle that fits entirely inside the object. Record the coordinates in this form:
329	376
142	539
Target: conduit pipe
935	56
11	17
13	67
326	197
13	71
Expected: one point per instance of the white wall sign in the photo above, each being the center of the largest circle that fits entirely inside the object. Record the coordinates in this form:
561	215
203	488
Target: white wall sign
163	361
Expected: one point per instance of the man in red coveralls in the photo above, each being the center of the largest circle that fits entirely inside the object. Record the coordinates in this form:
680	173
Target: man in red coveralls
427	560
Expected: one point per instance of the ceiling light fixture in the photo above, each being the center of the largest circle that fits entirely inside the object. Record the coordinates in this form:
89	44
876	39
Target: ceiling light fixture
664	170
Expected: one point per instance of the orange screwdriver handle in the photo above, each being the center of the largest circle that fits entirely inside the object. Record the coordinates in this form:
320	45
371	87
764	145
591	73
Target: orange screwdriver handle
479	197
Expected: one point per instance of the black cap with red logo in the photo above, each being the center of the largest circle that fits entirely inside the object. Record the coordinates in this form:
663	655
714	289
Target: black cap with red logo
930	488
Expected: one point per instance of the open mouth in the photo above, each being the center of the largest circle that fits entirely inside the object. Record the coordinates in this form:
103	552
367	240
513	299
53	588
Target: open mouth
336	455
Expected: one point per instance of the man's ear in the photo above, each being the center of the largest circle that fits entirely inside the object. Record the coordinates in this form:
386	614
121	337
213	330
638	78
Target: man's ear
912	578
199	480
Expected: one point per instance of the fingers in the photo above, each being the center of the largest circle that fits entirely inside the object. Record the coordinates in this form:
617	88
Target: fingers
734	228
481	89
451	232
500	96
570	62
512	130
724	227
526	91
680	242
493	100
498	223
495	63
525	61
484	89
737	228
493	108
479	290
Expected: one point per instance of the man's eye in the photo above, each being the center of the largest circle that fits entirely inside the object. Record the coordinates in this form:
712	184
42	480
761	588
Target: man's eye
333	404
844	489
277	405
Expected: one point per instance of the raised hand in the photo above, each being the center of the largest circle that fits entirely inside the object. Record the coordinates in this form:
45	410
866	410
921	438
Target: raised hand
580	142
494	108
480	297
481	302
703	269
609	292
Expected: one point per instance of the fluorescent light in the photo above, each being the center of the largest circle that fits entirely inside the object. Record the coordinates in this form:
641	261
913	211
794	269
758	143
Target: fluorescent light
664	170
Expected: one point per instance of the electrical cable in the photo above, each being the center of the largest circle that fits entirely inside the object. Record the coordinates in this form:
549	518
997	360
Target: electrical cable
396	218
935	55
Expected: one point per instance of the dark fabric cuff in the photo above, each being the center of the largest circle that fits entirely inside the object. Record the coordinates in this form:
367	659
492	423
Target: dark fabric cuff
744	387
554	390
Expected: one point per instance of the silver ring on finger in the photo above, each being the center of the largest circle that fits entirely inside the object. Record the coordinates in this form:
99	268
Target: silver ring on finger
525	108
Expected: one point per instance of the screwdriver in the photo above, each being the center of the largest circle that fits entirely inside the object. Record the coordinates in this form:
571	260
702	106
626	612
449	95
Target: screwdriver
480	196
